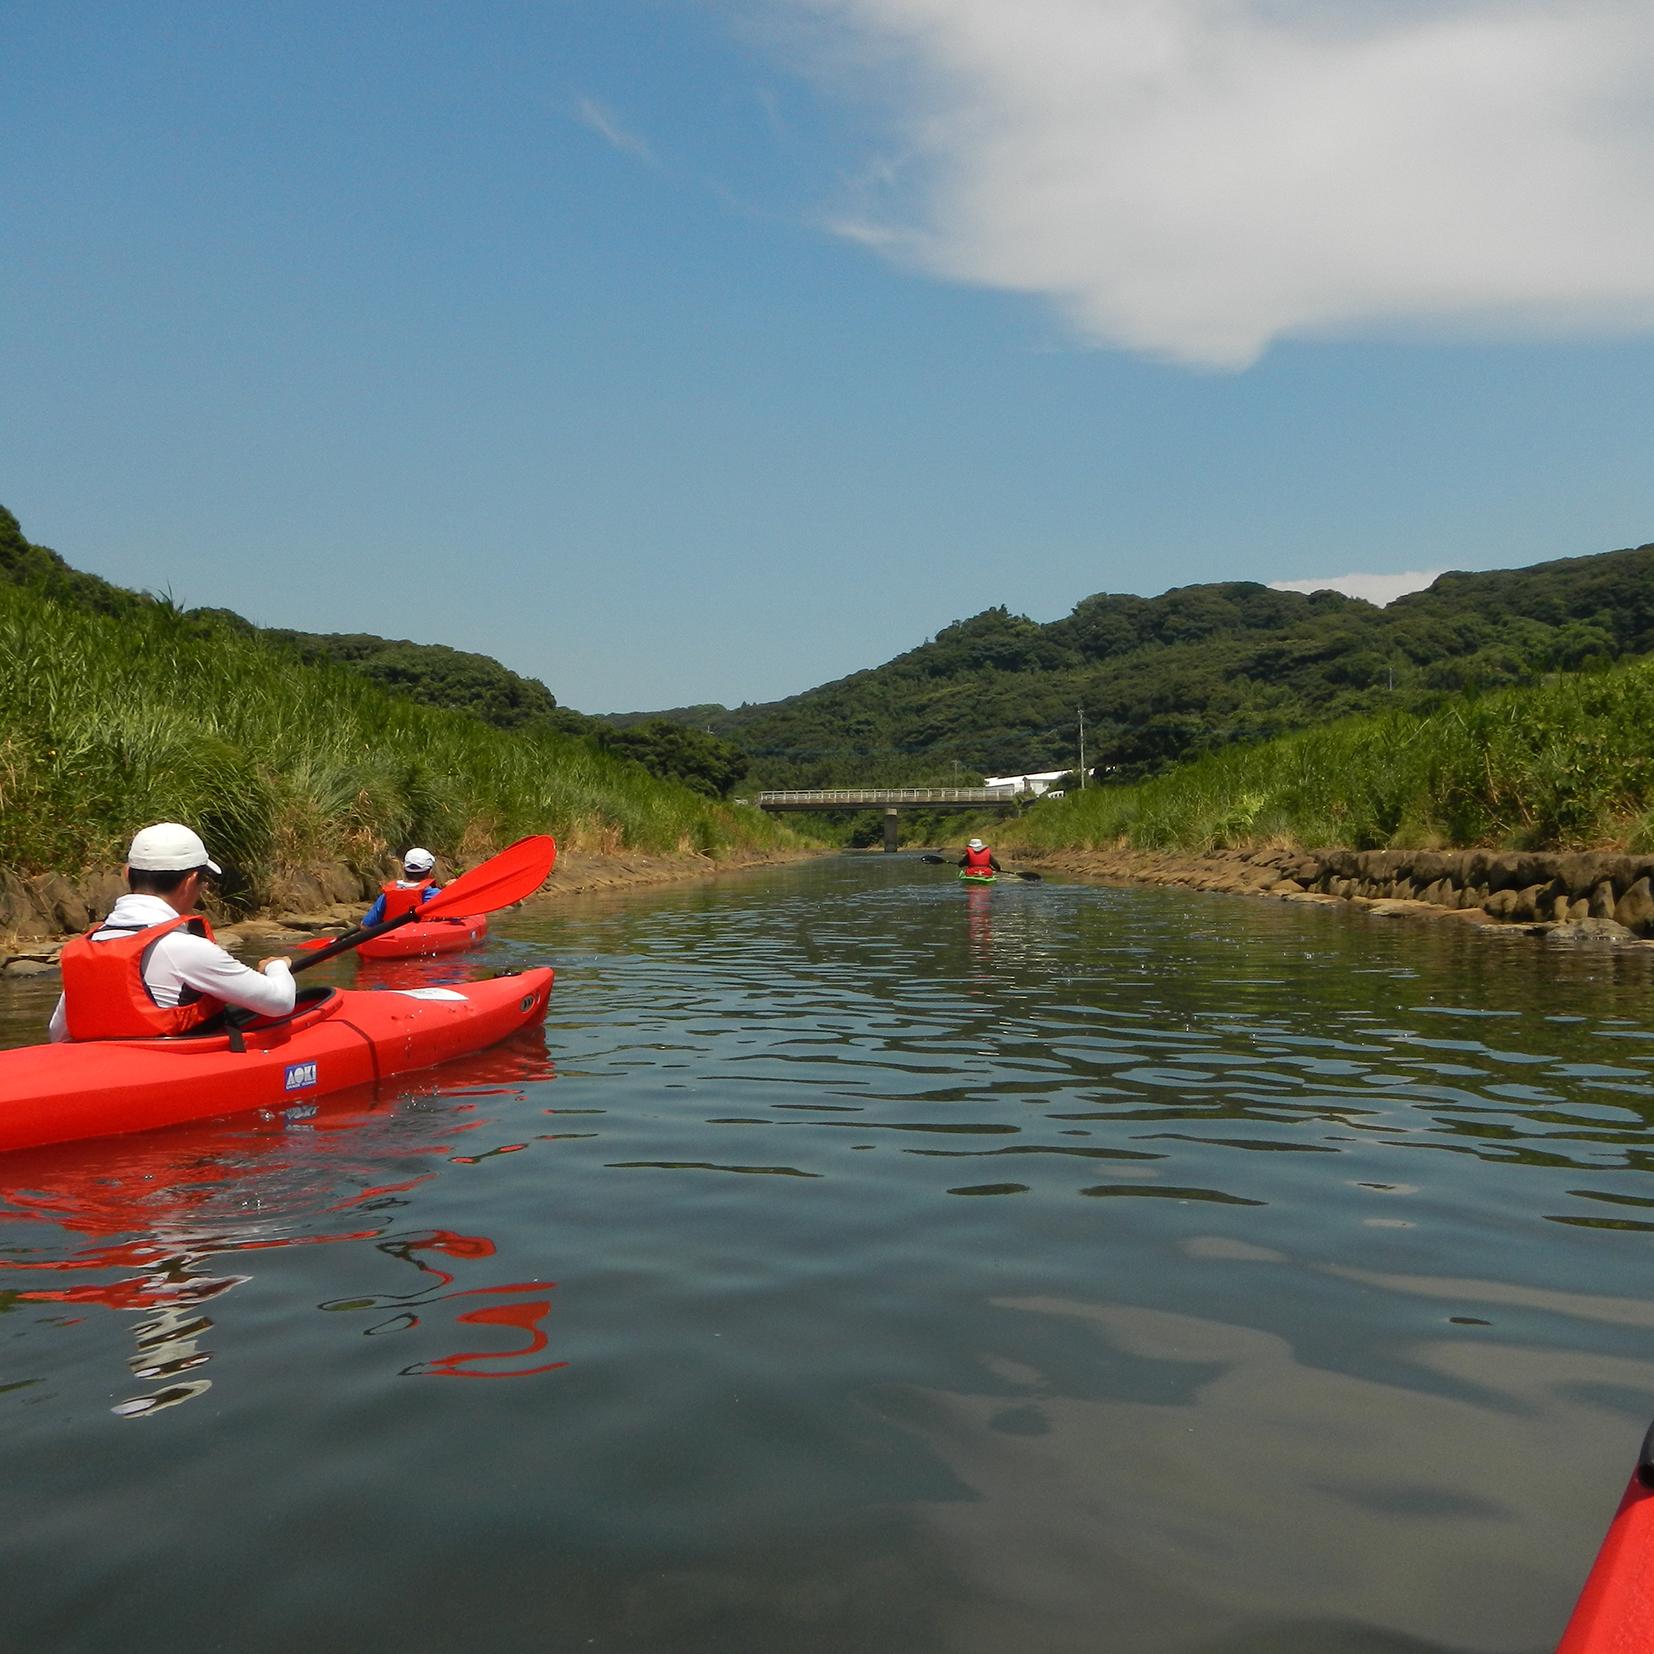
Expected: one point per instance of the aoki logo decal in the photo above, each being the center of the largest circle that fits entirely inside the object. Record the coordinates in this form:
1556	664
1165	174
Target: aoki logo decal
299	1076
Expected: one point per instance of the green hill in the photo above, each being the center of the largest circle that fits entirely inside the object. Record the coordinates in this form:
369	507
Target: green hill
430	673
117	707
1201	670
1166	678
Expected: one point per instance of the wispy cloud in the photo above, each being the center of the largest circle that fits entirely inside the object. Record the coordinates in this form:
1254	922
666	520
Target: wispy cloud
1195	179
771	106
606	124
1376	588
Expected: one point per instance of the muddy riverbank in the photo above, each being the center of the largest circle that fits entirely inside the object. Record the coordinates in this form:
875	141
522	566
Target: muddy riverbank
37	915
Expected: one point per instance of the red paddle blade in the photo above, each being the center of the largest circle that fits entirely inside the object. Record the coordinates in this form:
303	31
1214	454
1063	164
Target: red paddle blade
313	945
515	873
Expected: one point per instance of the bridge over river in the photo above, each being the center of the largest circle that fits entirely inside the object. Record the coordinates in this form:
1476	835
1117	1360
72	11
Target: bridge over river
892	800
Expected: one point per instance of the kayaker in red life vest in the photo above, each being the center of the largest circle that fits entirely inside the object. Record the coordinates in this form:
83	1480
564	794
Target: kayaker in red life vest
978	858
415	886
152	968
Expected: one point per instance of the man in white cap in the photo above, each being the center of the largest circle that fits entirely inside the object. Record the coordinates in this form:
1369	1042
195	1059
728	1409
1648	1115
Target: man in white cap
152	968
979	859
415	886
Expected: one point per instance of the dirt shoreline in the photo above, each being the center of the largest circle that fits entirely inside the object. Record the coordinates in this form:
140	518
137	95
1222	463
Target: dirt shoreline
37	916
1601	897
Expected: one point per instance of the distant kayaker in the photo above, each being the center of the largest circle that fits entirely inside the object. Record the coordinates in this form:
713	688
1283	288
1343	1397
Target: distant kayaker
415	886
152	967
978	858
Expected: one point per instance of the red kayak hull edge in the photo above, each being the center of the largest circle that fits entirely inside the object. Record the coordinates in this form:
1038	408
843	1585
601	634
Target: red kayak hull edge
103	1088
432	936
1615	1611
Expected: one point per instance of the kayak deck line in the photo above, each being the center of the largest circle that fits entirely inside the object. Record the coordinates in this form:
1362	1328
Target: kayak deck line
342	1038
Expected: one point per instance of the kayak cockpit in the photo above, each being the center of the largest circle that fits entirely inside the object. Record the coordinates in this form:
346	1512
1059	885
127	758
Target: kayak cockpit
311	1006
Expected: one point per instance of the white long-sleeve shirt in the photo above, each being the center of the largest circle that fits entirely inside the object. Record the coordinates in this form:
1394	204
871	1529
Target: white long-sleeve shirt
183	960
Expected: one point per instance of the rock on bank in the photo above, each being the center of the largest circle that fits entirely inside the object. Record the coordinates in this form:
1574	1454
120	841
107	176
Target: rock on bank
1611	893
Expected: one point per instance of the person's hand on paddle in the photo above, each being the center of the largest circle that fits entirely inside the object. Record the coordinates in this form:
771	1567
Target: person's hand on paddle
275	959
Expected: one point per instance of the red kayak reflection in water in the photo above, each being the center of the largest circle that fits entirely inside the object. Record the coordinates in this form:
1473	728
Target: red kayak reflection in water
164	1214
979	930
525	1314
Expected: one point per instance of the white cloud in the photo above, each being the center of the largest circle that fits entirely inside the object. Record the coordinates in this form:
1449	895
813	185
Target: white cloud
1197	178
606	124
1376	588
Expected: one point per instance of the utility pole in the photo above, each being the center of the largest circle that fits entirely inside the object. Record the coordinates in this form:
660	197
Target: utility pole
1081	711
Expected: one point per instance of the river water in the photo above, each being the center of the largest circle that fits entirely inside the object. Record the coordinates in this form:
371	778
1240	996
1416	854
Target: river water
864	1262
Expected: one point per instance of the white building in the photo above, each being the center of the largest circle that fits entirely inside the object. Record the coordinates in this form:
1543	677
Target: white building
1027	786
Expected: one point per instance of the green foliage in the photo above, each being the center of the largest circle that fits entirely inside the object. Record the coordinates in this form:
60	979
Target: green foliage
701	715
1195	670
42	570
434	674
126	709
1566	763
676	752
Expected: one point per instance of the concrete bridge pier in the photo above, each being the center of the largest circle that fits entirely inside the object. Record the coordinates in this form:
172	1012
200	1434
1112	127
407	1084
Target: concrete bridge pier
891	817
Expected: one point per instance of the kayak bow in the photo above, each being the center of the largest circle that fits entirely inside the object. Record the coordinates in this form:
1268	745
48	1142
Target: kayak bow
1615	1611
335	1039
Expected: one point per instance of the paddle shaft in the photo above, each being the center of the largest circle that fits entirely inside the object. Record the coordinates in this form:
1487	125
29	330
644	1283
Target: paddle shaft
352	939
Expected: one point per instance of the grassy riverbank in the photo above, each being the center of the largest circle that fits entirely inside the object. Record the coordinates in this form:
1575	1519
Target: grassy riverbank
107	720
1564	764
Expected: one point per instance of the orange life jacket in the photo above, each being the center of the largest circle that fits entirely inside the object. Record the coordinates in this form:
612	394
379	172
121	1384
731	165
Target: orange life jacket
400	899
104	992
979	861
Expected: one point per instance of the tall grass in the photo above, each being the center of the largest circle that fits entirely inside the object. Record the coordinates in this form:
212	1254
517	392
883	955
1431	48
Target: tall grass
1565	764
108	723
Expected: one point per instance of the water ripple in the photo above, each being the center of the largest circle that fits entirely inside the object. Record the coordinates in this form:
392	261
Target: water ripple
1315	1275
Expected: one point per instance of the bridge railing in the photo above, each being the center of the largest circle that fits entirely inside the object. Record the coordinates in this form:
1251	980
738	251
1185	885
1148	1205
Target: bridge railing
867	798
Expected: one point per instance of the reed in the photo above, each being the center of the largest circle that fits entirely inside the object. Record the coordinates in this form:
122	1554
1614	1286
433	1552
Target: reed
106	723
1565	764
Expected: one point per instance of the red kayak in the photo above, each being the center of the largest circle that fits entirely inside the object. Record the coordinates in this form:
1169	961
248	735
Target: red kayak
336	1038
427	936
1615	1611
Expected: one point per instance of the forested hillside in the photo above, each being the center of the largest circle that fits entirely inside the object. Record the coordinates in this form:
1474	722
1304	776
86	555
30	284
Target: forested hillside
117	708
440	676
1166	678
1160	679
430	673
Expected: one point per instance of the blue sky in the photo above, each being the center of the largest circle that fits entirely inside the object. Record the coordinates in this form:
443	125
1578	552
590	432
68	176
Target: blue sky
711	350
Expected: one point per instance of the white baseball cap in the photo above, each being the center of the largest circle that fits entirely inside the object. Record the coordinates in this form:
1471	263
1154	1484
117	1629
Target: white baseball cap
975	844
418	861
169	847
